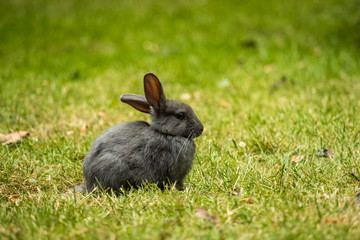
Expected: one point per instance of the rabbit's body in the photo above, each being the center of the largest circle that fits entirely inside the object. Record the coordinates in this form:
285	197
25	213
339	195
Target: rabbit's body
133	153
137	153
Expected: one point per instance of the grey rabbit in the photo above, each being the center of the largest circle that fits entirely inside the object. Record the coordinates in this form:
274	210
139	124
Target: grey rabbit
132	153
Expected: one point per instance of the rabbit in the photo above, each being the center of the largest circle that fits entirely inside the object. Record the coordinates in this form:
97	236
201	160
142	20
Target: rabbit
133	153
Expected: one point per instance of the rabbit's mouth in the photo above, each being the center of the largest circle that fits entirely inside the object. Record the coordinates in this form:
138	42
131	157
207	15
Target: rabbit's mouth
195	133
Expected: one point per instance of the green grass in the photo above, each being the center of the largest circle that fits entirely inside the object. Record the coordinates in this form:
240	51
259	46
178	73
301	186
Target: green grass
63	62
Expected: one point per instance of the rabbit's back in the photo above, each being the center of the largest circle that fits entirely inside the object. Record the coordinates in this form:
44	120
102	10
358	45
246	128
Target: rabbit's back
130	153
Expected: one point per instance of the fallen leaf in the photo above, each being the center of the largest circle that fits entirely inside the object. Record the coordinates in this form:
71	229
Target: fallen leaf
185	96
103	115
296	159
224	103
249	200
84	128
329	154
13	228
15	198
277	166
328	220
336	221
13	137
80	157
202	213
325	153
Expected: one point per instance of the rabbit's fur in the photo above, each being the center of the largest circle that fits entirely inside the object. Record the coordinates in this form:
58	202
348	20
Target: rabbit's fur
132	153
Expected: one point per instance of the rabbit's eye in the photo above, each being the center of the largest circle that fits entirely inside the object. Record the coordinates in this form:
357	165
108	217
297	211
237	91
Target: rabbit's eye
180	115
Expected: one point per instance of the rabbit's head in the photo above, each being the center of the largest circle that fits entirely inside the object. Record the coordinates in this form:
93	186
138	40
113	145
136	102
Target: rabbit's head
168	116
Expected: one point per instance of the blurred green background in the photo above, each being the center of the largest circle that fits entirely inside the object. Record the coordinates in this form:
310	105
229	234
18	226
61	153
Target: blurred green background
280	76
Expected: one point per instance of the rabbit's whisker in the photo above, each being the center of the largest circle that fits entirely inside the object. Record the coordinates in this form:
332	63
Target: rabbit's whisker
184	144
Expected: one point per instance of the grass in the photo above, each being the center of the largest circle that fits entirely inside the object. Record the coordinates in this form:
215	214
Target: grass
63	62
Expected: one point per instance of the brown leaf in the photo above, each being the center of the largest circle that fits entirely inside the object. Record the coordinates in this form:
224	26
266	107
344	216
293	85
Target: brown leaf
325	153
104	115
84	128
296	159
80	157
223	103
336	221
329	153
249	200
13	228
14	198
202	213
13	137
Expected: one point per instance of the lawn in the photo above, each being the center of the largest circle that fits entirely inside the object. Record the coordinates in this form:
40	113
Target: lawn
273	82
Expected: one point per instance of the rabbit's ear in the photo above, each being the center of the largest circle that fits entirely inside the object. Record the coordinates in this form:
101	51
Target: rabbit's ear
153	90
136	101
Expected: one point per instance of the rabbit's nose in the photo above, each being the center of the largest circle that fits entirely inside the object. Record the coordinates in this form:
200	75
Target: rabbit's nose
201	128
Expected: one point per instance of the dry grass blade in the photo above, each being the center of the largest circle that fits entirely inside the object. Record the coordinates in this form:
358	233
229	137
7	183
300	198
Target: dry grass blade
296	159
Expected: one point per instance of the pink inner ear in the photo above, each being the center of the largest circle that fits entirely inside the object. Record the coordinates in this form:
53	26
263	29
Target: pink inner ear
136	101
153	90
